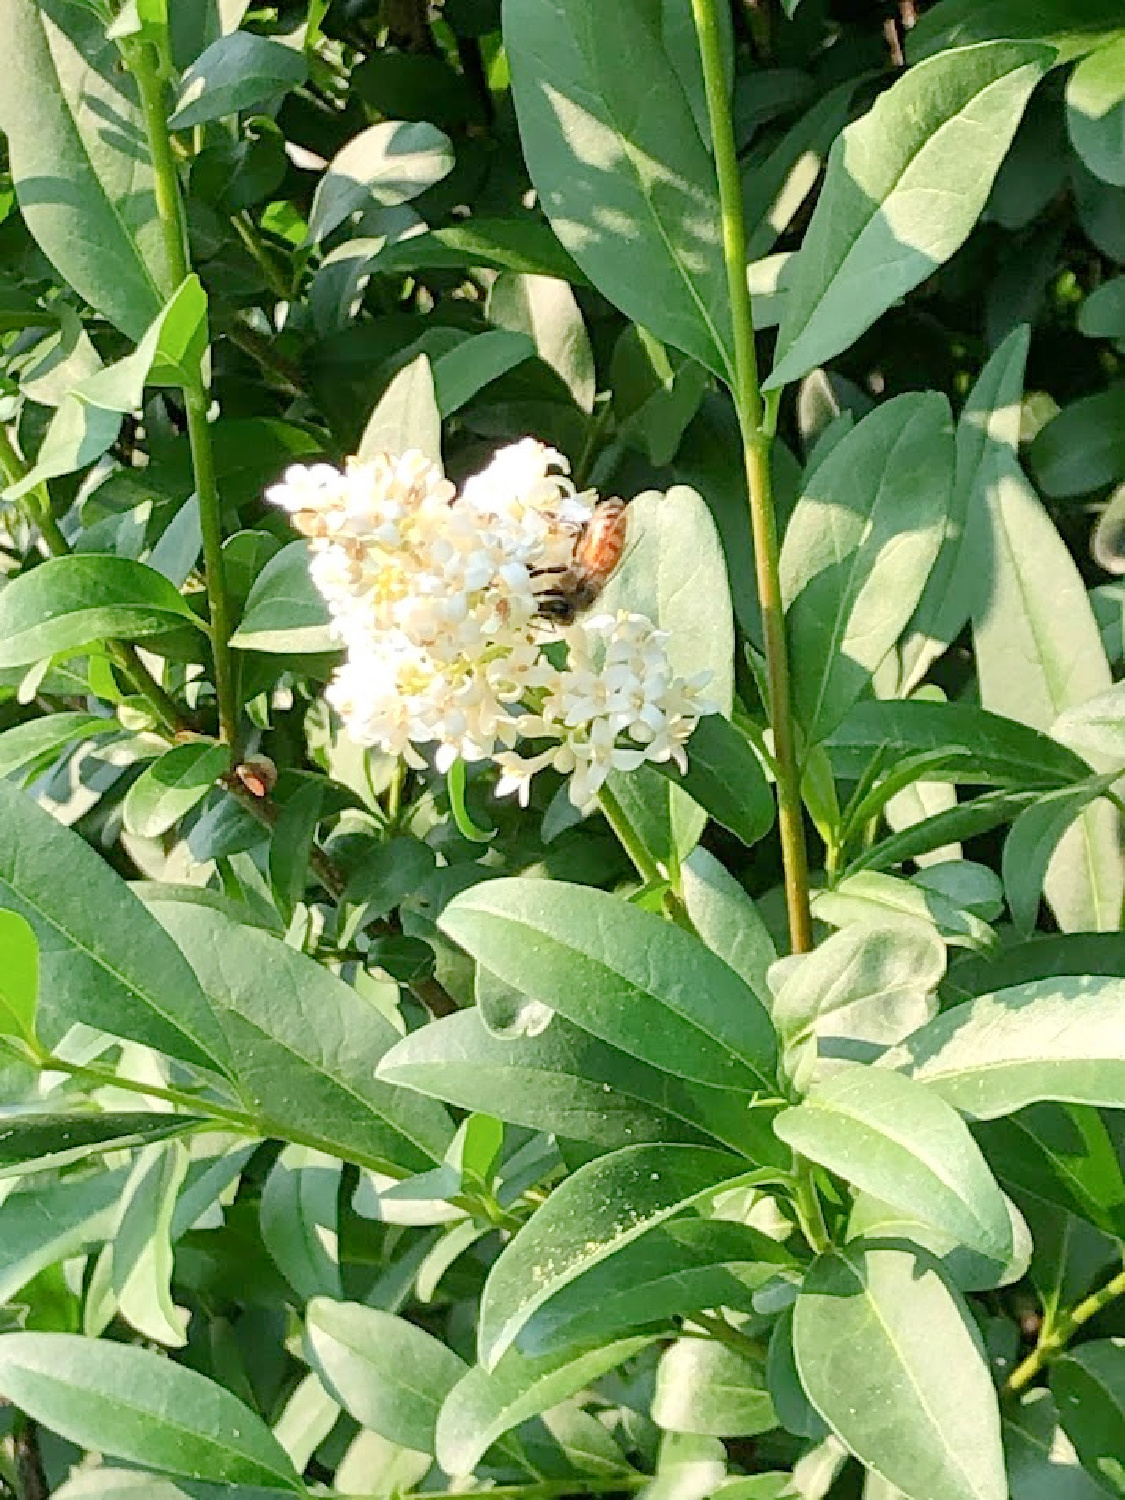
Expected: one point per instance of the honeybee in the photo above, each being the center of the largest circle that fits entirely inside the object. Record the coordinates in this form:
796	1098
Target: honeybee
599	544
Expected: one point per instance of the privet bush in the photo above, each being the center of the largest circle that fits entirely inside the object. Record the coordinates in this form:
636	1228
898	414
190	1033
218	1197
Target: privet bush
464	1027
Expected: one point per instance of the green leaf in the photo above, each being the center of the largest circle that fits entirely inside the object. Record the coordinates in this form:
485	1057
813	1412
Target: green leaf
140	1406
285	614
31	747
103	960
1071	29
485	1404
726	779
19	978
969	1270
1089	1385
983	747
1102	314
169	354
1095	111
1048	1039
390	1375
727	920
589	1218
564	1081
858	549
299	1219
878	1330
40	1139
474	363
904	187
987	429
543	307
683	1266
172	785
1064	1155
142	1245
386	164
1033	839
705	1387
44	1224
621	172
406	416
72	602
1097	725
235	72
674	574
1083	447
306	1045
621	973
905	1146
1038	652
294	837
85	191
1042	1464
525	245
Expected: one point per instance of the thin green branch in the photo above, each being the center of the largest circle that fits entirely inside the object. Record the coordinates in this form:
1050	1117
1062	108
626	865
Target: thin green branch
757	421
148	72
1055	1339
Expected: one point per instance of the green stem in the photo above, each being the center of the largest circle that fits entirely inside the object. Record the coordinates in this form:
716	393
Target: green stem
725	1333
806	1200
36	506
169	207
1056	1339
98	1077
756	421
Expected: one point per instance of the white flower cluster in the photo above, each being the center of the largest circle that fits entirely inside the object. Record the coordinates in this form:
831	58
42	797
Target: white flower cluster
435	599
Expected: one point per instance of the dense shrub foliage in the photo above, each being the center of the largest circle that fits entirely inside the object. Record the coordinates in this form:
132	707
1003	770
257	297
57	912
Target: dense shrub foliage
416	1075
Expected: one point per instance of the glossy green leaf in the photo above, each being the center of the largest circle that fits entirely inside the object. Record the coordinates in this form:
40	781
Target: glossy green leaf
891	1359
299	1218
390	1375
543	307
140	1406
284	612
1083	448
71	602
858	549
679	1268
406	416
38	1139
905	1146
485	1404
142	1245
589	1218
567	1082
709	1388
1041	1461
726	919
526	245
904	187
987	429
1033	839
1097	725
1039	652
1071	29
86	191
30	747
172	785
1049	1039
1095	111
235	72
982	746
464	371
305	1044
44	1224
1088	1383
1102	314
726	778
621	172
966	1268
388	164
19	976
78	434
621	973
102	958
1063	1154
293	840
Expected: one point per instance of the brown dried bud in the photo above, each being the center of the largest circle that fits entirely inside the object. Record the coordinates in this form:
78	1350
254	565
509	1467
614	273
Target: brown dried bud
258	775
